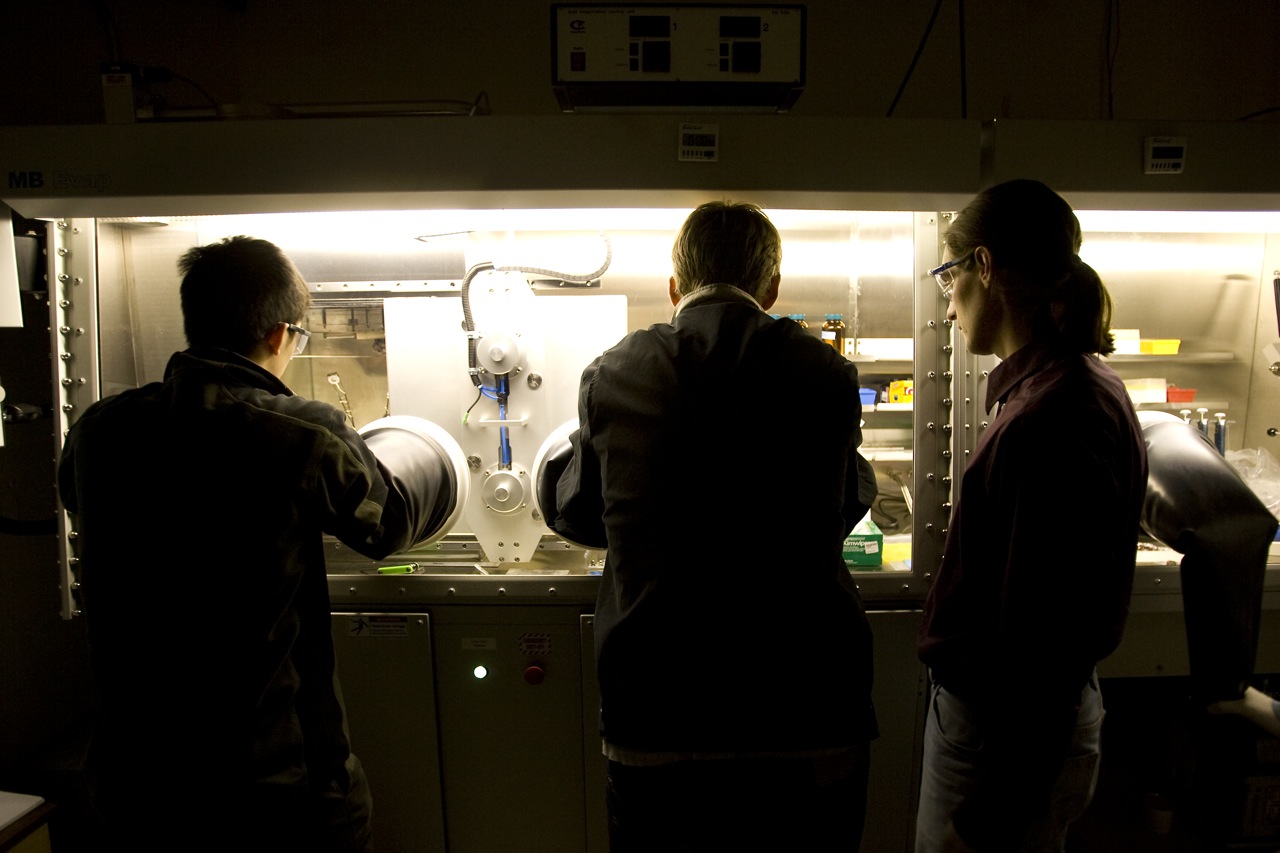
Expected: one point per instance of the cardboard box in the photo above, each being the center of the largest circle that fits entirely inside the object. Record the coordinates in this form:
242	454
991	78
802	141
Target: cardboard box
864	547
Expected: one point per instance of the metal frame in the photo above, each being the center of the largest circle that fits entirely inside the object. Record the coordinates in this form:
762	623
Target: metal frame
73	328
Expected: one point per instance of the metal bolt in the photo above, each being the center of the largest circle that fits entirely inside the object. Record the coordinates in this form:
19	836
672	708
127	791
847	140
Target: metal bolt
932	324
534	380
947	348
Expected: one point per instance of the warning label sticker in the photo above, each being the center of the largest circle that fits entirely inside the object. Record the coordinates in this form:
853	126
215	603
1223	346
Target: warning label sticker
394	627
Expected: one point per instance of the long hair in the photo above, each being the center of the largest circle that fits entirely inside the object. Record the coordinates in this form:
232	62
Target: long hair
1034	238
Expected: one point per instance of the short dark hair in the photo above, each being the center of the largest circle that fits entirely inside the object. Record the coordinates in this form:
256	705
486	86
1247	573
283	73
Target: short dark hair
1034	236
723	242
234	291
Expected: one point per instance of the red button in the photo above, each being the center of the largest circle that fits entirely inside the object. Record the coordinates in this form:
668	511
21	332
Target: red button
535	674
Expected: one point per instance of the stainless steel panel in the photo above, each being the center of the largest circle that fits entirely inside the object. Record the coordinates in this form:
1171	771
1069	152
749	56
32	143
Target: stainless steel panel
511	746
386	670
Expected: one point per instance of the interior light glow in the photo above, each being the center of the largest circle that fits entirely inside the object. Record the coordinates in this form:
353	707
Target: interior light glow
1180	221
480	672
1111	255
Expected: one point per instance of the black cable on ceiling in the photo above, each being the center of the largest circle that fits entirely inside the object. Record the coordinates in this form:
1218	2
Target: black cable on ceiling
1112	47
924	39
964	69
1258	113
109	21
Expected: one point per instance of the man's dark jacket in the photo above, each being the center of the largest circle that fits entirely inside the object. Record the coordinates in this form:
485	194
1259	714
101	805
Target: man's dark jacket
200	505
717	460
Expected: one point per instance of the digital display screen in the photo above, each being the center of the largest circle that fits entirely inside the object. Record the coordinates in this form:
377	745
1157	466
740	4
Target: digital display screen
650	26
701	140
739	27
1166	152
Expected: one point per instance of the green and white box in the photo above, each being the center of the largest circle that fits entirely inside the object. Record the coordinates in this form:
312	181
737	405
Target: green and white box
864	546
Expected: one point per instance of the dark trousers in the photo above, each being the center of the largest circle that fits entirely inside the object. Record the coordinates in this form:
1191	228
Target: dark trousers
740	805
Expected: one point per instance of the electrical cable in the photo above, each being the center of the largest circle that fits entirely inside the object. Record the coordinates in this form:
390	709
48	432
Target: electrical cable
1258	113
924	39
194	85
964	68
1112	46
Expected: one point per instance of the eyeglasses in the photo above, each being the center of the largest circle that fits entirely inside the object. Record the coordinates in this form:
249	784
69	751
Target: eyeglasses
946	276
303	337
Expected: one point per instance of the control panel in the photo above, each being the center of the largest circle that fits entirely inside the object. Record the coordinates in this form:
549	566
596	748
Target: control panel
682	55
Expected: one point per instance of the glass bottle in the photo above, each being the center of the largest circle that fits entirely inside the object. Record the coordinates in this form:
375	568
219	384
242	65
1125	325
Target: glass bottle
799	318
833	332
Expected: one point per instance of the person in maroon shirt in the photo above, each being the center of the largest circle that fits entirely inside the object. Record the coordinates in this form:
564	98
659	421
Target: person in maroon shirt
1034	585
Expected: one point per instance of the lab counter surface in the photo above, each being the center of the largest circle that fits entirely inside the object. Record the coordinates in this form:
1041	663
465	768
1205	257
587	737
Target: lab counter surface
472	704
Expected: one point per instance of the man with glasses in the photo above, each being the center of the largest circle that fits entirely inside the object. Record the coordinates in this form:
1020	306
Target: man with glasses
200	504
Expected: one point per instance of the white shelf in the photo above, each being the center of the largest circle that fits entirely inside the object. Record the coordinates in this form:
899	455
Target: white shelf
1211	405
1181	357
896	454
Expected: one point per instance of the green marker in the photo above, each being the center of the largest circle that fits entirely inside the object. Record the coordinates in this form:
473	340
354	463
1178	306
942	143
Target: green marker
406	569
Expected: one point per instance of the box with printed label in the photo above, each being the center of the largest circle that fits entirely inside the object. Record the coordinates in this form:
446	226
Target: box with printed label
864	546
